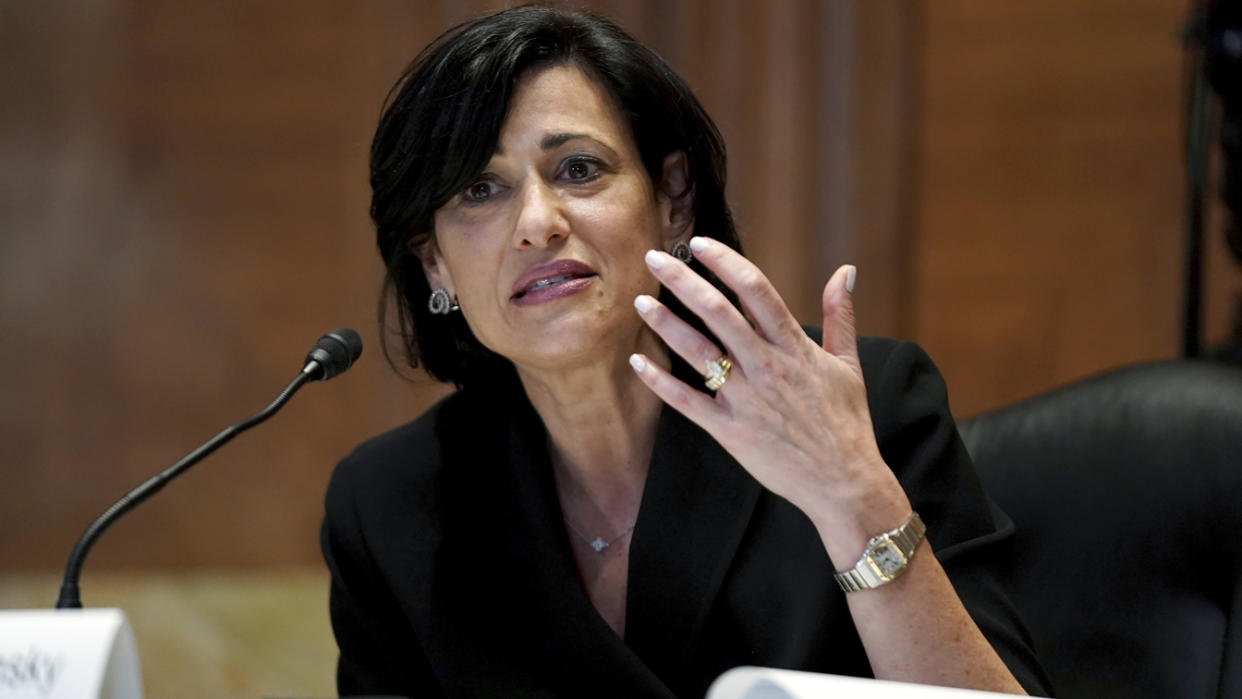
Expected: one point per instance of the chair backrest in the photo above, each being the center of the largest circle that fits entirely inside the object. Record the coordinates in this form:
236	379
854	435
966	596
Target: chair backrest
1126	488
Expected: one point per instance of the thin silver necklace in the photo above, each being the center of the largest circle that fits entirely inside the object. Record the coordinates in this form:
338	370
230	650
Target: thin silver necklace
598	542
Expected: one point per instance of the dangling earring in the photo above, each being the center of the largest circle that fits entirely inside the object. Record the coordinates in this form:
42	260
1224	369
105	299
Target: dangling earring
682	251
440	303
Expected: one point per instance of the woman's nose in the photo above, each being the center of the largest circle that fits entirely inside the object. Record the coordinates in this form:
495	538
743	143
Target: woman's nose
541	216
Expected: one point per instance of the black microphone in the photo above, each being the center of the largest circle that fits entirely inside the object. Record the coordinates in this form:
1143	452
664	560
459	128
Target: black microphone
332	355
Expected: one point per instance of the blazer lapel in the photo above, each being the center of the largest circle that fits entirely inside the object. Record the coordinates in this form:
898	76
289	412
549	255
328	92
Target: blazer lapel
513	560
695	510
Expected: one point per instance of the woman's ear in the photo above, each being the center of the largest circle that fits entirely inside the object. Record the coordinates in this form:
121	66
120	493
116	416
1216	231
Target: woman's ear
675	195
438	276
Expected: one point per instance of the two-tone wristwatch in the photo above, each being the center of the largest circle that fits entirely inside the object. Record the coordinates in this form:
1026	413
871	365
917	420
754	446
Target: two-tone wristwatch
886	557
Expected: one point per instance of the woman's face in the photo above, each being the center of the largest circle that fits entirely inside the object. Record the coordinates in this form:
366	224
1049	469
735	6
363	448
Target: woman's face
544	250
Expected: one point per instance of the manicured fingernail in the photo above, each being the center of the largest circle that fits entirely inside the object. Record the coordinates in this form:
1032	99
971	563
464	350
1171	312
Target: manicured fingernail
698	244
644	303
851	272
638	362
655	259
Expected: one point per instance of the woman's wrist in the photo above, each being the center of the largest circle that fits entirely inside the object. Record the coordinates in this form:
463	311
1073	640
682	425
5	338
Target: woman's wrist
846	518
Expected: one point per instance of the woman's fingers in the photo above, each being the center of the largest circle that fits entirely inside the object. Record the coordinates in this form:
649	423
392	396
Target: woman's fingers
697	406
764	305
840	338
679	335
706	302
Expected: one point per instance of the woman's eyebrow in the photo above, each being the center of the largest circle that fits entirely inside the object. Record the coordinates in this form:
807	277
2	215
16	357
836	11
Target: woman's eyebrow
556	140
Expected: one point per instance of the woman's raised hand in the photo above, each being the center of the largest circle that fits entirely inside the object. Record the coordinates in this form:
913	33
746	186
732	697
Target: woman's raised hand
794	414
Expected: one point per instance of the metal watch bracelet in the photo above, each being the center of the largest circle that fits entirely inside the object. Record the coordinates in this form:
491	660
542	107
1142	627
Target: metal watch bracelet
887	556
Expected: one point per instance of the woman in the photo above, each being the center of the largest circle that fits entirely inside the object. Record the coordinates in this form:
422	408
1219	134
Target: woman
585	517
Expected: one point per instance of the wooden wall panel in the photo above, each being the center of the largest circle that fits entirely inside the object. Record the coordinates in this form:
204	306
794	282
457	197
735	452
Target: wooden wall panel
194	217
1047	242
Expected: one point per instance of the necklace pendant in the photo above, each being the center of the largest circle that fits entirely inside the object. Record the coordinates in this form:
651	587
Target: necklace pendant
599	544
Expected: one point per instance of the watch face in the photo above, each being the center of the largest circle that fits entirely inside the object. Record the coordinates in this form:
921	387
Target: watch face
887	558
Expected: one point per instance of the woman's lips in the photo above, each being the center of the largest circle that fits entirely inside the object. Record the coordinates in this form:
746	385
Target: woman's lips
551	281
555	290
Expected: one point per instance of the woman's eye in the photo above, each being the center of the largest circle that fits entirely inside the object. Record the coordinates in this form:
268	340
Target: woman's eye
581	170
479	191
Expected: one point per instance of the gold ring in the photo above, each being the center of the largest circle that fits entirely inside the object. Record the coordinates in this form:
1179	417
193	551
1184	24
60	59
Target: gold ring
718	373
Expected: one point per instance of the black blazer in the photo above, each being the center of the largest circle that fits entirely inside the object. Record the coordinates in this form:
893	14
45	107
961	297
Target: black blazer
452	573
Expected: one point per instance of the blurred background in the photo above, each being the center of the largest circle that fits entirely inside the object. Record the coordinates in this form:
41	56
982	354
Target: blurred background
183	211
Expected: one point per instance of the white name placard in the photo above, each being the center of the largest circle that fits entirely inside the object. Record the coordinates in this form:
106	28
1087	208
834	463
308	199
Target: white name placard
769	683
68	654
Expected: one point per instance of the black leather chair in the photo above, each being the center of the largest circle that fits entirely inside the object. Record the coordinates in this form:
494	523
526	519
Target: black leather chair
1126	488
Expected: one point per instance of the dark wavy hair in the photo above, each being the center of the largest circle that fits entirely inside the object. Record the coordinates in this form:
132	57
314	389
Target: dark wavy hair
439	130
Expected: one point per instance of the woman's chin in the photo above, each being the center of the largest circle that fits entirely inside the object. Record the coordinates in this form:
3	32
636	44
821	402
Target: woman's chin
567	348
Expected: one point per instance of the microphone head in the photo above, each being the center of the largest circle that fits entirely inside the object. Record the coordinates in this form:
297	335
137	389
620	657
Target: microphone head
333	354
